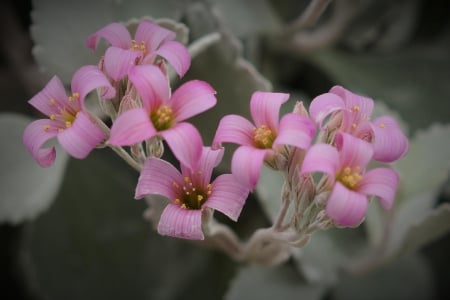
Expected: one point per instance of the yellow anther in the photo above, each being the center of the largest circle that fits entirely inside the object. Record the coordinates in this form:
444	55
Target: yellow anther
68	124
51	101
350	177
199	198
186	179
162	118
356	108
183	206
354	125
52	117
177	201
382	125
347	171
175	185
263	137
46	127
76	95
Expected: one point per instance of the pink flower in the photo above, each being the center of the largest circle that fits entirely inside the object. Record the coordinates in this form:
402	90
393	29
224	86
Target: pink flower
190	193
163	114
355	112
68	120
265	137
150	41
351	184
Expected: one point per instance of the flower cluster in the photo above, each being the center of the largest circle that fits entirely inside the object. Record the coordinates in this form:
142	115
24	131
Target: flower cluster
324	154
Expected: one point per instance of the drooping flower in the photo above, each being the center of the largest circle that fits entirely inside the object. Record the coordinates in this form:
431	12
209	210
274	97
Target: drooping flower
352	113
349	182
163	114
261	140
191	192
150	40
68	120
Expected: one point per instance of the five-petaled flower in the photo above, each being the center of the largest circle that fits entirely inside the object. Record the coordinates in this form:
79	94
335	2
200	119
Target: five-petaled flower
163	114
68	119
261	140
150	41
191	192
350	184
353	113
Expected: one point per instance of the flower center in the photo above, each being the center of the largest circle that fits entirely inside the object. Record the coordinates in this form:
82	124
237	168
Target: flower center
65	114
138	47
350	177
162	118
263	137
191	196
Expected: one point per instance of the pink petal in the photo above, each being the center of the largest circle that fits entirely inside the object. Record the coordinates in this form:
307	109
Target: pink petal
321	158
119	61
53	90
34	136
185	142
182	223
295	130
152	85
89	78
246	165
177	55
351	100
208	161
390	142
115	33
152	35
234	129
131	127
228	196
381	182
354	152
346	207
157	177
265	108
323	105
81	138
192	98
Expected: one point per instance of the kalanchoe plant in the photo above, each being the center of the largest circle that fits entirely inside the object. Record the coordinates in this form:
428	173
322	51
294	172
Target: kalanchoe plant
336	138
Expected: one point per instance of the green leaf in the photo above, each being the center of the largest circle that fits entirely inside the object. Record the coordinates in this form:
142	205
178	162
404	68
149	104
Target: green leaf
408	278
27	189
95	244
257	282
60	28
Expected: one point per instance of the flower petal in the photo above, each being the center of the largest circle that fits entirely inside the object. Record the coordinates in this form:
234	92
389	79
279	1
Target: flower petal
228	196
354	151
265	108
152	85
82	137
152	35
88	78
246	165
390	142
177	55
234	129
53	90
34	136
381	182
131	127
346	207
192	98
115	33
295	130
182	223
323	105
158	177
119	61
185	142
364	104
321	158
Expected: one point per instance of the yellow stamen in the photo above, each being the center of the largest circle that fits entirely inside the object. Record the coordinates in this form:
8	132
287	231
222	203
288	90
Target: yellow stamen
51	101
263	137
356	108
382	125
68	124
52	117
46	127
350	176
162	118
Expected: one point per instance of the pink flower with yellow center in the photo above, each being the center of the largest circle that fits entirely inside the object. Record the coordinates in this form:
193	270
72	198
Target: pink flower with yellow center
265	137
163	114
149	42
354	114
350	183
191	192
68	120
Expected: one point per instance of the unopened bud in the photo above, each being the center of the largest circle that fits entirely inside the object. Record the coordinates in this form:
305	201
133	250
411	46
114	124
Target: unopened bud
300	109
